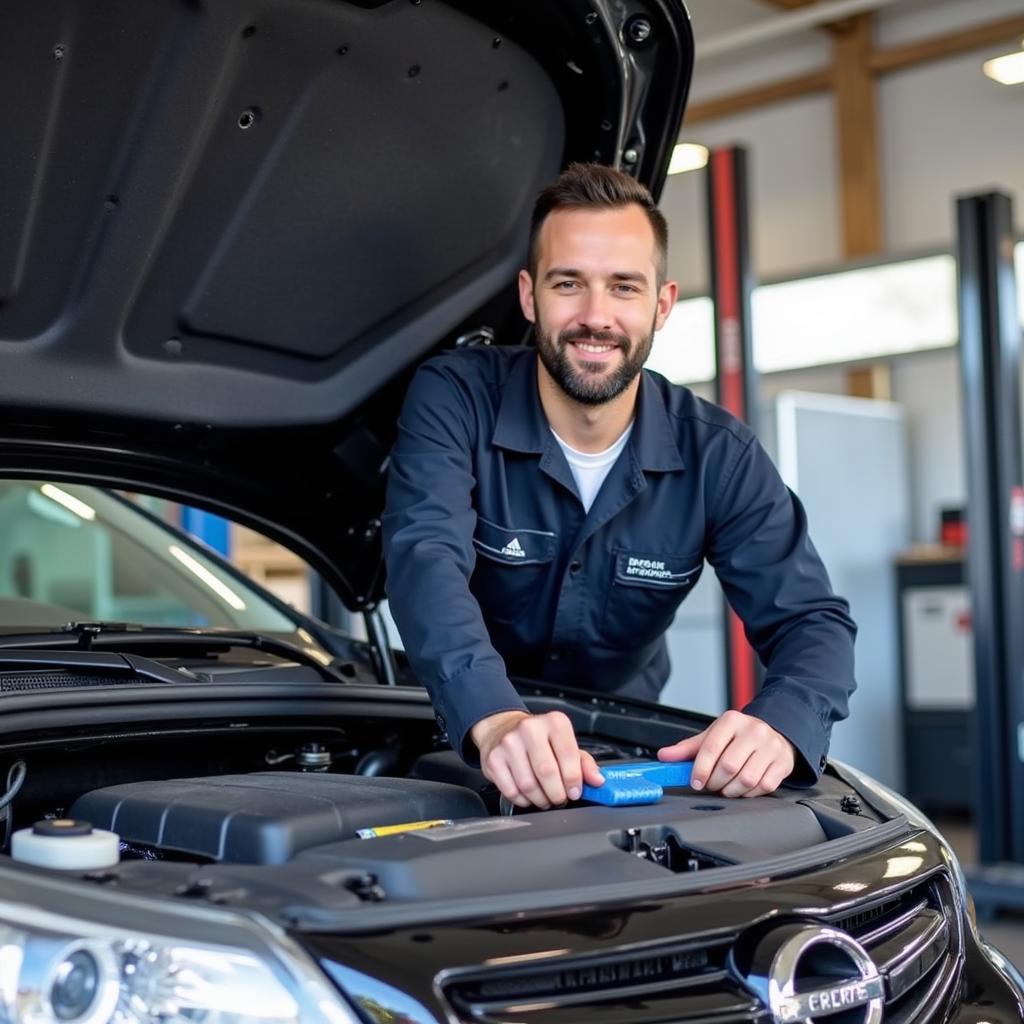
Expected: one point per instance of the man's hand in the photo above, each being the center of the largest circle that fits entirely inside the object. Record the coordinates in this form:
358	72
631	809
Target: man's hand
737	755
534	759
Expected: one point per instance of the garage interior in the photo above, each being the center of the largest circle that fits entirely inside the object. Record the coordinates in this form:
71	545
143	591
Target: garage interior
863	136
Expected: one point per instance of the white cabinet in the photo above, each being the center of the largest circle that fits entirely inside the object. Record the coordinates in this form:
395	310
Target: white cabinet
937	635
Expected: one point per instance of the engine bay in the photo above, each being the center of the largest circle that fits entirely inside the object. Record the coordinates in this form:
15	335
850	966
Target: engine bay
260	786
303	820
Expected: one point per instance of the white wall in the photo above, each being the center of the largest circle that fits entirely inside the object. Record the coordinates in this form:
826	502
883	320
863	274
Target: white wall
792	195
946	130
927	385
743	69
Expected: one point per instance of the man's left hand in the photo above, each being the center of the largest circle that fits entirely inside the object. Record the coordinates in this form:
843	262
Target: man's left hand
737	755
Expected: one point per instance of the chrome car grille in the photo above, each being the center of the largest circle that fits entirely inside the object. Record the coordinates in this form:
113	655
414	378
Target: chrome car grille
914	938
915	941
689	981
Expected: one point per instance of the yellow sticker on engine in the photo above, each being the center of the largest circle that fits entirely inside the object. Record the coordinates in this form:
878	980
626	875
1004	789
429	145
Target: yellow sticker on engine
409	826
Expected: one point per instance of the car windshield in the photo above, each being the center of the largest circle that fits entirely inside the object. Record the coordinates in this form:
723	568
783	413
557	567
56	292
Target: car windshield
79	553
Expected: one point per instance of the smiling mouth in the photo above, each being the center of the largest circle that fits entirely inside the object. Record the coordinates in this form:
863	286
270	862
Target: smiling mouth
594	348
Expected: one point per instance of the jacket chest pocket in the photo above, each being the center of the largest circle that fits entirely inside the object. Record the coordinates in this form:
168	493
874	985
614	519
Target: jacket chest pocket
511	566
644	592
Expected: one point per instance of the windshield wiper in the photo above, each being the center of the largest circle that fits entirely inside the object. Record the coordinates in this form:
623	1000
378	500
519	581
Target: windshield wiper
120	667
88	636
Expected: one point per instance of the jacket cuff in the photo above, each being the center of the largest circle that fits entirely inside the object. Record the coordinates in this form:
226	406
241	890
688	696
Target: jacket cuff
465	700
790	715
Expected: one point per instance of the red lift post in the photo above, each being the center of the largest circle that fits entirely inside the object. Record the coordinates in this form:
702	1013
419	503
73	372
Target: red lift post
735	384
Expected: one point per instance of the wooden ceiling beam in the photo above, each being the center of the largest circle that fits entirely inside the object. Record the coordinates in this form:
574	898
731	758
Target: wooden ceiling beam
895	58
735	103
790	5
856	65
881	62
794	5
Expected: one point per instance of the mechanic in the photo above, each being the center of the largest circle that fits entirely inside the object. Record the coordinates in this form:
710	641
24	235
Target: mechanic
549	508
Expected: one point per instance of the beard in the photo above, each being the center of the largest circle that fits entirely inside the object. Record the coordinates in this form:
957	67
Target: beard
591	383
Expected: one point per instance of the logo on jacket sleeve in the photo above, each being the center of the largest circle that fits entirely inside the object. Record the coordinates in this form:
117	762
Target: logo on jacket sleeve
513	549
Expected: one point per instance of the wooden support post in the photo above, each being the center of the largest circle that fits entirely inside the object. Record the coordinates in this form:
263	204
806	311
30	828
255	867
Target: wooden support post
873	381
858	139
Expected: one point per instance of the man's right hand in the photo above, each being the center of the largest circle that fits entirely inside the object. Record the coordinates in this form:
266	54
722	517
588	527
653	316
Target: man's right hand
534	759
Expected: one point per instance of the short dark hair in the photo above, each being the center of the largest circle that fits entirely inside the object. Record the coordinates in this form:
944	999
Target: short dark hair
595	187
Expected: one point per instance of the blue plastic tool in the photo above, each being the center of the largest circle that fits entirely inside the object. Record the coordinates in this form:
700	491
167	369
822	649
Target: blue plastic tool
641	782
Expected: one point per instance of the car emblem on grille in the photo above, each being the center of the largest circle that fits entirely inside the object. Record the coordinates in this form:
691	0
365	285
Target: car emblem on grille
804	972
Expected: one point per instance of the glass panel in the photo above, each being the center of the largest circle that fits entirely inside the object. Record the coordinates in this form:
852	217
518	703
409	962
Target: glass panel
684	349
856	314
72	552
836	318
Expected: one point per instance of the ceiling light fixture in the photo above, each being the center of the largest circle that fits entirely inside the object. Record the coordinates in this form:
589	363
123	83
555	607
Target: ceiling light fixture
69	501
1008	69
219	587
688	156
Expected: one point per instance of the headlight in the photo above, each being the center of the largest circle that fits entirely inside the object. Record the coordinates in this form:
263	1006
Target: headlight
113	960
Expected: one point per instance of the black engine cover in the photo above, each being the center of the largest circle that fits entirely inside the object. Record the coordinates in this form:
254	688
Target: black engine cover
266	817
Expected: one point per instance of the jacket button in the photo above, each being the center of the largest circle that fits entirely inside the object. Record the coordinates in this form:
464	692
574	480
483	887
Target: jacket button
575	566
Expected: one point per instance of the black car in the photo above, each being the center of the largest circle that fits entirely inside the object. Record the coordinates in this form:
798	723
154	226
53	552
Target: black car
228	232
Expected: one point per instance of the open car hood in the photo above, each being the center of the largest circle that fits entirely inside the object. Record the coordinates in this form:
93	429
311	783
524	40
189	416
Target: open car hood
229	230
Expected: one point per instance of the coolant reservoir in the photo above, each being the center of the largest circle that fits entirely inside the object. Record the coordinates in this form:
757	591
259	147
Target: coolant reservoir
66	844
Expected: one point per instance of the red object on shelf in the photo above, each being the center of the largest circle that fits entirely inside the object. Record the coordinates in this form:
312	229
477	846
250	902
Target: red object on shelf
953	528
954	535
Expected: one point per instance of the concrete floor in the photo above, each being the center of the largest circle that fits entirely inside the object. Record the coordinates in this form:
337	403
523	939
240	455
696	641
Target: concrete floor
1008	937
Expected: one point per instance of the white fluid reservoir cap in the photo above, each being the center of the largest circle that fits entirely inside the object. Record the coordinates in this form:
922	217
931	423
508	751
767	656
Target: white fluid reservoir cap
66	844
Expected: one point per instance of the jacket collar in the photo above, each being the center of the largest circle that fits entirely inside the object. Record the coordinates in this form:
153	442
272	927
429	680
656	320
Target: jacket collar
521	425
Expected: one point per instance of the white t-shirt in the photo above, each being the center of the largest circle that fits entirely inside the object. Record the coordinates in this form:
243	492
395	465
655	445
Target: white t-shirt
590	469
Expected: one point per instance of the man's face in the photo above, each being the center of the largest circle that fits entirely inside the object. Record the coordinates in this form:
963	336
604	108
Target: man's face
595	304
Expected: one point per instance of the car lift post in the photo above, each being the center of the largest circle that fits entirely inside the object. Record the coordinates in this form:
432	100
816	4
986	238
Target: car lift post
735	383
990	372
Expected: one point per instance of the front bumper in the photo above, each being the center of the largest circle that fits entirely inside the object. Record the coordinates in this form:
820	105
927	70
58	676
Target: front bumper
993	987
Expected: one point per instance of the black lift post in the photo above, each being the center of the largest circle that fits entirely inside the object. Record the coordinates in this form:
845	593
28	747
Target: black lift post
990	339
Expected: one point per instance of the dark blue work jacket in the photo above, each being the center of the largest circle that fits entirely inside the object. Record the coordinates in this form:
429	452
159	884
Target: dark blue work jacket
495	569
